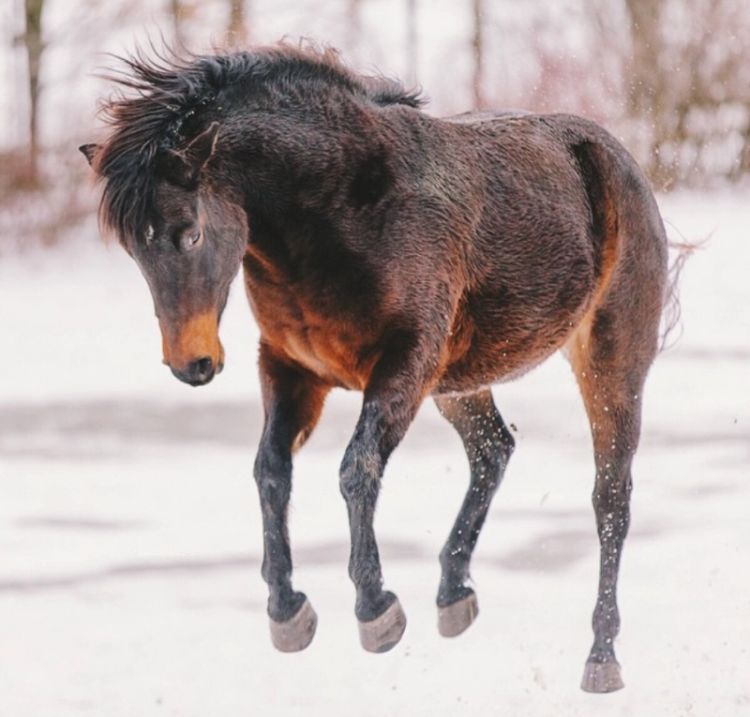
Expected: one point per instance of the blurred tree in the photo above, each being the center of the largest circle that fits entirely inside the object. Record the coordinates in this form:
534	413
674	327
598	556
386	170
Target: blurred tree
644	68
32	40
237	31
645	82
687	85
477	51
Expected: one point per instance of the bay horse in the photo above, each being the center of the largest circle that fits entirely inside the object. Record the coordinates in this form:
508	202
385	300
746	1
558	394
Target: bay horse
397	254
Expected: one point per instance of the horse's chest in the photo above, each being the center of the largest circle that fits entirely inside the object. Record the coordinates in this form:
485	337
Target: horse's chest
329	351
326	343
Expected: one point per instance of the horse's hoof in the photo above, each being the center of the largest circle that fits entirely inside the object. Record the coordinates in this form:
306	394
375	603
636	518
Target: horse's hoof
602	677
453	619
384	632
297	632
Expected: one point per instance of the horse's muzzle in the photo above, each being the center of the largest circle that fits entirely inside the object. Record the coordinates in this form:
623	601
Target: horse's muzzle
198	372
191	347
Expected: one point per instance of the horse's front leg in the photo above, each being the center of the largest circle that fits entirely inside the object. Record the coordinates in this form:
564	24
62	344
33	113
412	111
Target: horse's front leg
391	400
292	402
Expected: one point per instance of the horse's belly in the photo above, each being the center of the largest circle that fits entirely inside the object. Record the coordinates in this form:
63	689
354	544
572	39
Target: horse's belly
489	366
505	347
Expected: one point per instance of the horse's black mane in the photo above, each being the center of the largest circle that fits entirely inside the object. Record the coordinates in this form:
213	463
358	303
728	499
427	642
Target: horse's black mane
170	92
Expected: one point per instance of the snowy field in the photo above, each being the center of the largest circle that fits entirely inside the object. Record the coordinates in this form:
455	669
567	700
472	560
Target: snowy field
130	539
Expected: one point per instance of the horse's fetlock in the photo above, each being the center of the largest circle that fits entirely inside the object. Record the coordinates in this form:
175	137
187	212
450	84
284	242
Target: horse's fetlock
365	573
445	557
454	563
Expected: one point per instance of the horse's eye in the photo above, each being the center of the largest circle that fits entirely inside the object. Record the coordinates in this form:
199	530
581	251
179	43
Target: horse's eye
191	239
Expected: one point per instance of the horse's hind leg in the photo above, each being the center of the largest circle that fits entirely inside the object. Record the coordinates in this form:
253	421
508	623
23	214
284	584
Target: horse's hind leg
610	356
292	402
488	445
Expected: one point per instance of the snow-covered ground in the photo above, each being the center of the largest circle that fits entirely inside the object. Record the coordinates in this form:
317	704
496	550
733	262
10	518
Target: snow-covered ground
130	539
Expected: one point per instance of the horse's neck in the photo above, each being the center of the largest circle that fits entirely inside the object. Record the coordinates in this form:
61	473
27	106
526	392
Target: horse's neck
291	159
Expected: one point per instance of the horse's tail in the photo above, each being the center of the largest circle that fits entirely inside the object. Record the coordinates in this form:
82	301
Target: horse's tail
672	312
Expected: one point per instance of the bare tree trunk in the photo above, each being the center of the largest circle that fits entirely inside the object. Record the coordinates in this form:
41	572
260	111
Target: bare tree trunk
477	50
411	42
644	70
33	41
477	47
743	163
645	77
237	34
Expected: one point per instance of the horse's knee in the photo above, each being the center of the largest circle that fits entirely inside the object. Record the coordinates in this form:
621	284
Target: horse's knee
359	474
272	472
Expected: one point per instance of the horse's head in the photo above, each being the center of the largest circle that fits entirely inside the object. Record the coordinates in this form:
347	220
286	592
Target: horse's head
188	242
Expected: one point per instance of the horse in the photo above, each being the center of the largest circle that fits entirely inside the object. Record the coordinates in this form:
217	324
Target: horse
397	254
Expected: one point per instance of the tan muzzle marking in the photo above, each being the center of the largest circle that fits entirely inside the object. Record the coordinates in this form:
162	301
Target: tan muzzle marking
192	339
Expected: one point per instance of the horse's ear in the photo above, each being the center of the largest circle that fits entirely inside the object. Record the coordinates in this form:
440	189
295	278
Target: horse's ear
199	151
183	166
89	151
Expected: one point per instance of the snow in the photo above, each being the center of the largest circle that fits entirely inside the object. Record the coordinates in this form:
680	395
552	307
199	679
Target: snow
131	542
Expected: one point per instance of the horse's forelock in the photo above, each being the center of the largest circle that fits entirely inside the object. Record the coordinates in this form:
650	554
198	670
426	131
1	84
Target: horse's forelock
140	125
167	86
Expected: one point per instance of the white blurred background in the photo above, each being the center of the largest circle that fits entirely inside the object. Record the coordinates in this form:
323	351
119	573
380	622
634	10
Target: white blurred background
130	538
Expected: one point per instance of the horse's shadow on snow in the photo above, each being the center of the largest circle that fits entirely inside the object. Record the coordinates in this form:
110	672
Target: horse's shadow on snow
553	551
92	430
101	429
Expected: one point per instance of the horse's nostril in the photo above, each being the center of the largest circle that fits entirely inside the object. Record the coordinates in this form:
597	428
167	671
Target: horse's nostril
198	372
202	368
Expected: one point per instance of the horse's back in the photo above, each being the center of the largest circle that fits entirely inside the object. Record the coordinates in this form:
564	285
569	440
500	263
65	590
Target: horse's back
479	116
